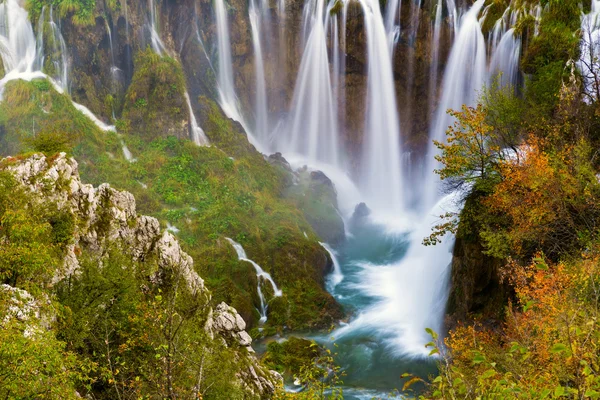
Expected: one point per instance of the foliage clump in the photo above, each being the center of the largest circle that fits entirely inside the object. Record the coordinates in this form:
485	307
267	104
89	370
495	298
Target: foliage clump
155	102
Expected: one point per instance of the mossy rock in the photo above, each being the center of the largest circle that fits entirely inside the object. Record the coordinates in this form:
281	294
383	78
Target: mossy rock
155	104
290	356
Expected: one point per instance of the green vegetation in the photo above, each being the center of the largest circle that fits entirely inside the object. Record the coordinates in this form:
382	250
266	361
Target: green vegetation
110	331
155	103
82	11
200	190
529	170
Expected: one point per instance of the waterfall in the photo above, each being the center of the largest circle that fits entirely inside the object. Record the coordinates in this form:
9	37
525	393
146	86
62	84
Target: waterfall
227	97
392	22
312	129
17	42
505	59
54	45
382	179
155	40
196	133
435	45
410	293
261	128
465	74
337	275
260	275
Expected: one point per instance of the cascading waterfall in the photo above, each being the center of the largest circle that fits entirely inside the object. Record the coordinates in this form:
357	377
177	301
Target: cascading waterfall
465	75
337	275
227	97
155	40
506	49
23	59
312	129
392	22
196	133
17	42
382	178
406	290
55	44
261	129
435	45
260	275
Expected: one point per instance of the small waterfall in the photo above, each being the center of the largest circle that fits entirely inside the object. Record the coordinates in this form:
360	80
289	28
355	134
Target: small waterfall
336	276
312	130
260	275
382	177
435	45
261	128
54	45
155	40
392	23
227	97
505	59
114	70
196	133
465	75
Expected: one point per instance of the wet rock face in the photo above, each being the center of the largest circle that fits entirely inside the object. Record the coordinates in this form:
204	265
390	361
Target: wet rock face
476	287
101	86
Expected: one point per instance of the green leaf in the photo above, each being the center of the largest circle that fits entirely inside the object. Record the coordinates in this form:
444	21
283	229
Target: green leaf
558	348
478	359
488	374
431	333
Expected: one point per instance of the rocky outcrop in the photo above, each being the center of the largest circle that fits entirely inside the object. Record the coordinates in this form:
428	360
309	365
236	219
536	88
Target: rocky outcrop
228	324
476	288
316	196
106	217
20	305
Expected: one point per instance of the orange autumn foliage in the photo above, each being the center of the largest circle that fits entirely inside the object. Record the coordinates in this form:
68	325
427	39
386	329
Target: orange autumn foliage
548	200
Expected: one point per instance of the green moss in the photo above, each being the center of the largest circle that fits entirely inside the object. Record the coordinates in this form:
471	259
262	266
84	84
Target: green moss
547	54
154	104
82	12
38	118
291	355
337	7
495	10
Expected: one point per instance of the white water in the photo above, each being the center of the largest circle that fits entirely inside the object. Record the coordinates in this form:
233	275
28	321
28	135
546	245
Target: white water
260	275
381	180
197	134
228	99
410	293
337	275
312	129
155	40
465	75
261	128
55	45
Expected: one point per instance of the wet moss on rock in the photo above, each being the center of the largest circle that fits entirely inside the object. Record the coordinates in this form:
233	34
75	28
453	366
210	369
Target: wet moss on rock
155	103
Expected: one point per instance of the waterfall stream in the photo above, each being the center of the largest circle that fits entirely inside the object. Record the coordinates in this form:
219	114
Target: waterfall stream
260	275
